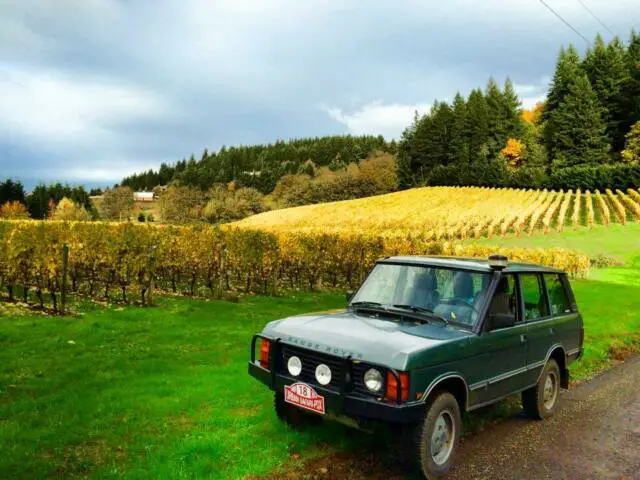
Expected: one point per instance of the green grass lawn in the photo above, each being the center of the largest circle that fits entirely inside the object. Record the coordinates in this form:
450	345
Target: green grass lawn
142	393
164	393
619	241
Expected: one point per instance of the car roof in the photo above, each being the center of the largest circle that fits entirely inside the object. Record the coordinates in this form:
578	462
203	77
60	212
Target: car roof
473	264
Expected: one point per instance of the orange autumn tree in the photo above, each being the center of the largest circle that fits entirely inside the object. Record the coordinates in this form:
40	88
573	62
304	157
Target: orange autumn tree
13	210
513	152
533	115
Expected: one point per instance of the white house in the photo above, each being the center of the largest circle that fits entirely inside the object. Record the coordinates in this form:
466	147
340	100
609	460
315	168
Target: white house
143	196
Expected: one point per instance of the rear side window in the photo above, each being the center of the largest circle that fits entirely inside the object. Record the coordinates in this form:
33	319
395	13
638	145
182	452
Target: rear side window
535	303
558	297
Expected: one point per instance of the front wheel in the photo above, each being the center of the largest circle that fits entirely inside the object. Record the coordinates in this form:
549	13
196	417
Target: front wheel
541	400
437	437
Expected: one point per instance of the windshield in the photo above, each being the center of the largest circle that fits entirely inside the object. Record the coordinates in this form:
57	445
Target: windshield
456	295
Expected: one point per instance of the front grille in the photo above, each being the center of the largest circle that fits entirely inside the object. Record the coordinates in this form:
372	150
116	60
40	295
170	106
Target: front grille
310	360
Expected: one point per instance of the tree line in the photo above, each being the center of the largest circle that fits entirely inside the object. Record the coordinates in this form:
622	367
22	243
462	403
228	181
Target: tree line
588	122
42	201
260	166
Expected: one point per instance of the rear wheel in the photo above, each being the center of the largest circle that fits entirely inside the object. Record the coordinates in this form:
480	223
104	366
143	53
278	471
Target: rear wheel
541	401
436	438
292	416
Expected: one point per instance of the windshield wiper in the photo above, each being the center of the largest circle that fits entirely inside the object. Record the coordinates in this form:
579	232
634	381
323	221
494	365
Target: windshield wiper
418	309
365	304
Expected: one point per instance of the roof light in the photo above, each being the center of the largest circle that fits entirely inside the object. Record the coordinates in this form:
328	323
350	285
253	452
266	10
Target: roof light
498	262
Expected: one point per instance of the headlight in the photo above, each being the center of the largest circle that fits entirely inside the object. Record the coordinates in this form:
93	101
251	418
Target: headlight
323	374
294	365
373	380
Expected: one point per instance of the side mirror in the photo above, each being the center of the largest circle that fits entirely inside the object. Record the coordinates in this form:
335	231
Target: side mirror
501	320
349	295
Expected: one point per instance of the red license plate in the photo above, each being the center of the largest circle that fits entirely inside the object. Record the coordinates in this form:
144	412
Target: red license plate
304	396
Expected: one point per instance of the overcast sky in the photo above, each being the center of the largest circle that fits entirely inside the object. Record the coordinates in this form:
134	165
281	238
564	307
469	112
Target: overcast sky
92	90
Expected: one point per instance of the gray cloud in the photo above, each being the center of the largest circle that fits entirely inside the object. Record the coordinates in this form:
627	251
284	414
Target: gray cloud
91	90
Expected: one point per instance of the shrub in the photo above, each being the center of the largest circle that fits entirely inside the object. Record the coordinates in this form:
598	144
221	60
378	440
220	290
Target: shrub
13	210
601	177
528	177
117	203
181	204
70	211
491	174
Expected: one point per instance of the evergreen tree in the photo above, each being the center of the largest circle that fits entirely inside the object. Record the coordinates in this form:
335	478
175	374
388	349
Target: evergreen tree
406	153
568	67
11	191
512	111
496	122
504	116
442	117
579	130
477	126
606	69
631	153
458	150
629	100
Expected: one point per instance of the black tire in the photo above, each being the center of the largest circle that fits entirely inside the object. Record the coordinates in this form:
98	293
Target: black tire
294	417
433	454
541	401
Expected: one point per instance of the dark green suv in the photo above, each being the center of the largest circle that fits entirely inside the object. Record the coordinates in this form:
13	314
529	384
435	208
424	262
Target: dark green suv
423	339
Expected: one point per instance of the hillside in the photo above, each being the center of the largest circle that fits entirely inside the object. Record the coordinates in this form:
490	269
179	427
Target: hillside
451	212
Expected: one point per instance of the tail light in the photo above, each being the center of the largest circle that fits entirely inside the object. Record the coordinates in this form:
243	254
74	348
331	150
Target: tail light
392	387
265	347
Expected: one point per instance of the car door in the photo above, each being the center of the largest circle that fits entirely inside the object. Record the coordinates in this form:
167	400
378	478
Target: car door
503	360
566	319
541	332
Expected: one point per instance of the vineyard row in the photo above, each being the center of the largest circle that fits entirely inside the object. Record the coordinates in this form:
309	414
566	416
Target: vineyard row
451	213
127	260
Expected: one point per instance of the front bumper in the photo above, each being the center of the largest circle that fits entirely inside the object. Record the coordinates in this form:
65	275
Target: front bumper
344	404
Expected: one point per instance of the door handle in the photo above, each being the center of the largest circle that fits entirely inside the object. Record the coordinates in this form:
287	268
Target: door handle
523	338
552	331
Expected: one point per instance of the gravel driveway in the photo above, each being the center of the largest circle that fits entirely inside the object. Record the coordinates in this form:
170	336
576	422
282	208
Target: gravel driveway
595	434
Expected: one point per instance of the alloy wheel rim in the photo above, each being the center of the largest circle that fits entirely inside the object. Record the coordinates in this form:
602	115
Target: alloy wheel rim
442	438
550	392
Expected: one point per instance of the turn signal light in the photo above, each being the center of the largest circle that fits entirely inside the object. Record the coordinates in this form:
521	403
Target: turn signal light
392	386
265	347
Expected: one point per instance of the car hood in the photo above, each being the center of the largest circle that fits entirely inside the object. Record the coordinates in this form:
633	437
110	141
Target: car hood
362	337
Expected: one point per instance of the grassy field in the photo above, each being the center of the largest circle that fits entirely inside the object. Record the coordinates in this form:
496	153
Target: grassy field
163	392
142	393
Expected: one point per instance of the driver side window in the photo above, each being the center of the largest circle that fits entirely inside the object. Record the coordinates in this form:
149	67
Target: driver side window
504	302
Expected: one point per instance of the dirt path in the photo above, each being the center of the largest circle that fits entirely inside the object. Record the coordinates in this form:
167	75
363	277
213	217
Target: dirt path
594	435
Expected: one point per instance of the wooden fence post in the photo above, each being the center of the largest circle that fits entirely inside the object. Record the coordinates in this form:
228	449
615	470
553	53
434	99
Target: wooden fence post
152	275
65	265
